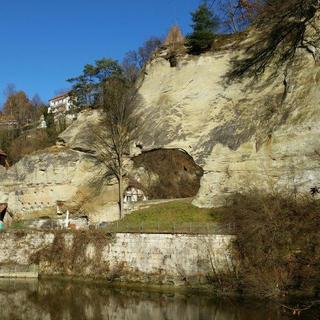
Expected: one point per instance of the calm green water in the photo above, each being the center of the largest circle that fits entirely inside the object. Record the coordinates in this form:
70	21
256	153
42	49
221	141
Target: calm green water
64	300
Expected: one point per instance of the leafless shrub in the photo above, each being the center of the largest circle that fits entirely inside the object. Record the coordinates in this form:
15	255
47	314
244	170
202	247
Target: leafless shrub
73	260
239	14
277	242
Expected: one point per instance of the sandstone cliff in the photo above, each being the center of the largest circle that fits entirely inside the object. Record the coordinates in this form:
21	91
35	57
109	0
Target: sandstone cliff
258	132
64	173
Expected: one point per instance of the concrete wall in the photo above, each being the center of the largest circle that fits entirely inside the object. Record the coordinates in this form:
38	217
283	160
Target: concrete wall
154	258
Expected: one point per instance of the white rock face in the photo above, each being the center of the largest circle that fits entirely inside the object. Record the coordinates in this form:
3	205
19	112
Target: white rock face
67	173
260	133
39	181
255	133
79	135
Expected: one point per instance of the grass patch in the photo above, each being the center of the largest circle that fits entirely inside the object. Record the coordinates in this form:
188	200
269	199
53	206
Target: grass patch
174	216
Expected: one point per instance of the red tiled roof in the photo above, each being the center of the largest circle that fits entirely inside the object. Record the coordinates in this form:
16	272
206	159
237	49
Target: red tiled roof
60	96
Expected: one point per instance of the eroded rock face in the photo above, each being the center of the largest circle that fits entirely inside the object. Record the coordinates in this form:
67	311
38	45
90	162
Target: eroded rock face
80	134
260	133
38	181
68	173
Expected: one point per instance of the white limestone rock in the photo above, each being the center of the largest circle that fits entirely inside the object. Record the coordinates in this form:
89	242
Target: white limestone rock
260	133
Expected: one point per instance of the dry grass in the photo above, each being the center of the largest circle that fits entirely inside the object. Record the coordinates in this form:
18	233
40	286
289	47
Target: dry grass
27	143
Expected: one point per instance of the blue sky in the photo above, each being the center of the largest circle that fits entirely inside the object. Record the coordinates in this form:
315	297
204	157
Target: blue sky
45	42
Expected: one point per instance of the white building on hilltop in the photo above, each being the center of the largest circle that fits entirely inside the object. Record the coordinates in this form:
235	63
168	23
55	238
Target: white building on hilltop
60	104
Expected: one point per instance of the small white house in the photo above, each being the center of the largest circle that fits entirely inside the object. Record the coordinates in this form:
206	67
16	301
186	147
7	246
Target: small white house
133	194
60	104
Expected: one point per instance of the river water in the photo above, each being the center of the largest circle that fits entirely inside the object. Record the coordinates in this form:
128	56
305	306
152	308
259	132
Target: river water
66	300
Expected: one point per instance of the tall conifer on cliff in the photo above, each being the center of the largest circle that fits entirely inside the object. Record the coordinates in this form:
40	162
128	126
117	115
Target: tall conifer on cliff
204	25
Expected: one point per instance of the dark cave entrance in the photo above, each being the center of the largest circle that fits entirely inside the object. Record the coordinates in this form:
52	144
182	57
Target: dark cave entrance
3	210
178	176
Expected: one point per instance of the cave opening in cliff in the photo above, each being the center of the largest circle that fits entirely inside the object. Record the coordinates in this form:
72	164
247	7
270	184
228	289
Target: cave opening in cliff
3	210
166	174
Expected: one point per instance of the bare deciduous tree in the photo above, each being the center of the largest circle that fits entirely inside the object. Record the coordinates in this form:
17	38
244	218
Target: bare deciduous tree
19	106
135	60
130	65
119	127
281	27
239	14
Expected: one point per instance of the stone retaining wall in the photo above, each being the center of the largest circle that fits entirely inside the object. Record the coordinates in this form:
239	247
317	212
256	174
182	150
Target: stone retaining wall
149	258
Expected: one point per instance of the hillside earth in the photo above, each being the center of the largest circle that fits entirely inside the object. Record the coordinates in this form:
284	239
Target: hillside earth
203	134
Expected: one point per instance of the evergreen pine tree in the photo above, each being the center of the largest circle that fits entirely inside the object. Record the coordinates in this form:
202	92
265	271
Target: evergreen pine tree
205	23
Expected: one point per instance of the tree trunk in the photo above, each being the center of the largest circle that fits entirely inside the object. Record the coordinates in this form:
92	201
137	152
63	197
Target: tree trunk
121	196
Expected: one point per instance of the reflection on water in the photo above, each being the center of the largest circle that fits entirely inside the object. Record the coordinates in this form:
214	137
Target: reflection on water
65	300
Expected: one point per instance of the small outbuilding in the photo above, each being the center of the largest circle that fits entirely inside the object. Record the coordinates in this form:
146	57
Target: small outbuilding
133	194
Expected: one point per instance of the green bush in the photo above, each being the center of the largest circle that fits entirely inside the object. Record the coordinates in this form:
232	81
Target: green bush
204	25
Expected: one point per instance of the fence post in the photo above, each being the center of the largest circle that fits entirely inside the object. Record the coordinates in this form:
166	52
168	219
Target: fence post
190	227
